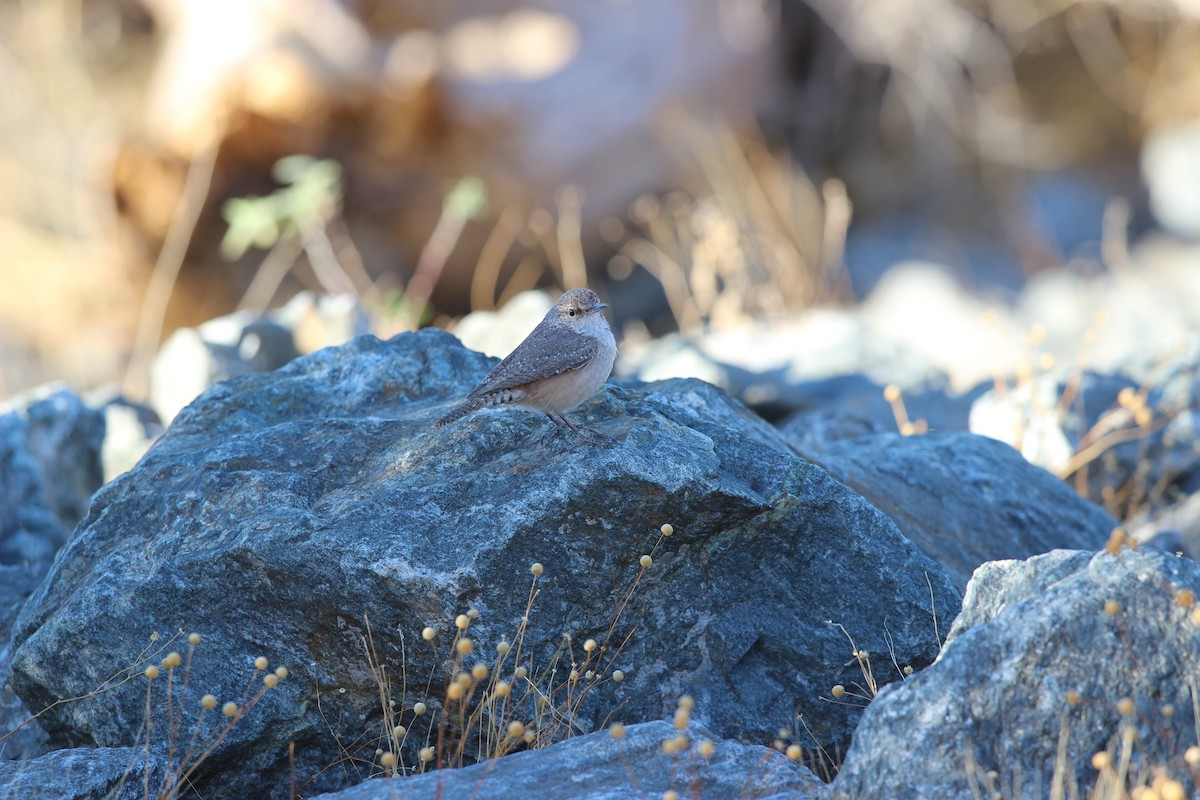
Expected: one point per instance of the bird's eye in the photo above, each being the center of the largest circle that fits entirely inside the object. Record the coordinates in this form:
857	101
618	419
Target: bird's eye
571	312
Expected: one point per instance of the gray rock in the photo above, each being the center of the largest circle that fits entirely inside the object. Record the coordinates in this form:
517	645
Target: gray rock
279	510
245	342
966	499
812	432
129	430
1171	169
778	368
1029	634
113	773
49	466
18	740
597	767
192	359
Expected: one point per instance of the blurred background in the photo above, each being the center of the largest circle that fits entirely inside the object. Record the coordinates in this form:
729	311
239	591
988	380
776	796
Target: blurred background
907	209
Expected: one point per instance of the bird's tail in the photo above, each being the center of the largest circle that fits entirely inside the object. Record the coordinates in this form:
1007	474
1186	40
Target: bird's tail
458	412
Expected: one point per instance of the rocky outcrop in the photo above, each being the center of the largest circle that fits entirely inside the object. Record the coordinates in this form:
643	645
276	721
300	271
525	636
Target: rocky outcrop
1052	660
281	512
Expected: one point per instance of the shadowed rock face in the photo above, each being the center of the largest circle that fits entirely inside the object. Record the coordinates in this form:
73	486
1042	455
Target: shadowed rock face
281	510
1030	633
966	499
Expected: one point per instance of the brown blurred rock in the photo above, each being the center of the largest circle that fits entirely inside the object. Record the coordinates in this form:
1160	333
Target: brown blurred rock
410	100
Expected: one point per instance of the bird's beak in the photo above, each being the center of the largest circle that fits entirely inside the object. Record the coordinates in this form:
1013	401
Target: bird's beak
598	307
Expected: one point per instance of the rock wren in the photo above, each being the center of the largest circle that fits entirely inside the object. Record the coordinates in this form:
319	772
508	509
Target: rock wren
562	363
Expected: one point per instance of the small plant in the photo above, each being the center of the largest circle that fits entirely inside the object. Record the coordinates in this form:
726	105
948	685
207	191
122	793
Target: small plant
492	705
208	730
170	670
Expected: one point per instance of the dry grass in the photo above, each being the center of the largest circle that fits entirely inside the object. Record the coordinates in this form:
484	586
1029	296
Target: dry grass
184	737
479	706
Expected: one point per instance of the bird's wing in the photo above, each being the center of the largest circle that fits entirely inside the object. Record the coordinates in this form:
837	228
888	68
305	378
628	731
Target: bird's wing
544	353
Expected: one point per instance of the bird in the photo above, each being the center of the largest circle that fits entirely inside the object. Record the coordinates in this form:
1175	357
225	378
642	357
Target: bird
562	363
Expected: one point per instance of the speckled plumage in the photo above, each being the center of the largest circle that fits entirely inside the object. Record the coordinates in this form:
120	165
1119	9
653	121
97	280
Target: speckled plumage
561	364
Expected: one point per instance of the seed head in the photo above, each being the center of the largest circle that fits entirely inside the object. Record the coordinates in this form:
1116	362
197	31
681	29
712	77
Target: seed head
479	672
645	561
503	648
428	633
1073	698
172	660
589	645
1125	706
617	731
270	680
618	675
1111	607
682	718
1115	540
473	613
229	709
666	529
670	794
462	621
503	689
208	702
419	709
891	393
1172	789
520	672
516	729
399	731
706	748
426	754
838	691
193	639
686	702
281	672
387	760
1186	598
464	646
794	752
529	736
260	662
455	691
151	672
1101	760
676	744
1192	756
536	568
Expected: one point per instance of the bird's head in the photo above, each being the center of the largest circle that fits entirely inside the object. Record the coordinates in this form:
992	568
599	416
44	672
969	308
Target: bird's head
576	306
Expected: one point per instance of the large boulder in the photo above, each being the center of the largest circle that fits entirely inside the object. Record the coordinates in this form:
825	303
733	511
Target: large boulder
1031	682
966	499
599	767
282	511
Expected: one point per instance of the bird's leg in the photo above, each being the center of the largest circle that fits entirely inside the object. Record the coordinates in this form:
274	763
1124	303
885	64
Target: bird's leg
589	436
550	435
